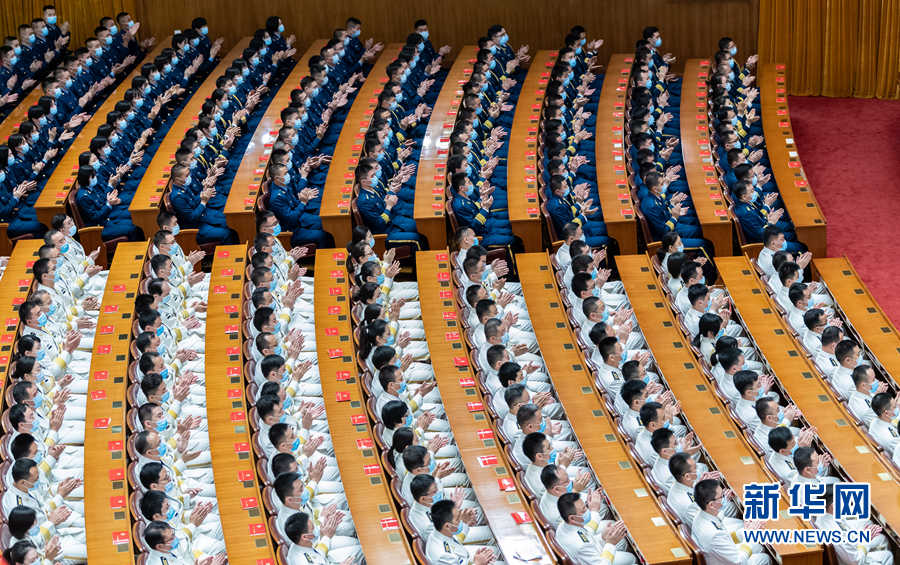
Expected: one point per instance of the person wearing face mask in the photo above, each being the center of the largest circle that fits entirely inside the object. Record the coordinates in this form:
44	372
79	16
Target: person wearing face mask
99	207
290	206
718	544
442	545
586	542
169	546
191	208
298	495
474	211
157	506
24	526
754	214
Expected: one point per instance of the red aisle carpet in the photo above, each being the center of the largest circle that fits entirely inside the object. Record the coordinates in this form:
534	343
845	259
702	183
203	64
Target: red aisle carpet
849	149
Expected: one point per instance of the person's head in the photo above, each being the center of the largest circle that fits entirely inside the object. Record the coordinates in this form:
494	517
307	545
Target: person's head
396	413
691	274
708	494
556	480
283	438
425	491
22	522
831	337
23	552
683	469
634	393
768	412
847	353
710	325
663	442
651	416
611	351
806	460
25	474
864	379
747	384
529	419
883	405
516	396
730	359
573	510
299	528
445	516
815	320
773	238
782	440
160	536
698	296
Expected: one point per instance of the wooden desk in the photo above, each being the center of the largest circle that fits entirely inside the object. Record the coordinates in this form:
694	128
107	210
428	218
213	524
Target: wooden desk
338	191
244	524
108	521
428	207
240	207
862	312
15	286
654	536
471	426
20	112
706	193
852	450
52	200
612	179
700	405
521	171
377	525
154	184
798	197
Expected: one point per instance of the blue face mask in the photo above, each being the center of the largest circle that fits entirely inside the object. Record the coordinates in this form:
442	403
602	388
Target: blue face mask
873	388
754	196
160	330
195	42
64	248
733	51
42	319
504	39
409	420
570	487
267	41
335	59
431	466
402	388
277	328
162	425
34	136
175	543
165	372
34	531
543	427
572	62
161	449
170	514
731	76
658	42
784	246
821	469
296	445
170	486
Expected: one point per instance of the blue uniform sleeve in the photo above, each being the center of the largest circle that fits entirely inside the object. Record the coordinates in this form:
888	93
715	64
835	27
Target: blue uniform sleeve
93	209
186	209
376	216
752	222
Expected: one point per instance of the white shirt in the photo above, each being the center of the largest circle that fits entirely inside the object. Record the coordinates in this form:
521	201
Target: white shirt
783	465
443	550
764	260
860	405
719	546
885	433
583	546
842	381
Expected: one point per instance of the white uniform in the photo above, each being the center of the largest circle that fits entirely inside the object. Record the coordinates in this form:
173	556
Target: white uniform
721	547
885	433
872	553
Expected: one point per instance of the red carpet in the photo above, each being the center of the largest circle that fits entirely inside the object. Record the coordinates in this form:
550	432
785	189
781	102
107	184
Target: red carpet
849	152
